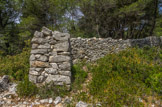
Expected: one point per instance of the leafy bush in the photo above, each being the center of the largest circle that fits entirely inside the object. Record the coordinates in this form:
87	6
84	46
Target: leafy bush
26	88
16	66
52	91
121	78
78	75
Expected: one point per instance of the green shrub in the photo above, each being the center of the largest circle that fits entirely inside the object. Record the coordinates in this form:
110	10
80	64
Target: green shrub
26	88
16	66
121	78
78	75
52	91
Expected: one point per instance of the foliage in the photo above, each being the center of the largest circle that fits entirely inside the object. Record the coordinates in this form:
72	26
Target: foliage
52	91
16	66
121	78
119	18
158	29
78	75
26	88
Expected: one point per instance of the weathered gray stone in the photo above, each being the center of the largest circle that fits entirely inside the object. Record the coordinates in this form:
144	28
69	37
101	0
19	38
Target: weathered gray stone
40	79
43	58
32	57
66	73
44	101
37	56
38	40
35	73
38	34
65	66
51	71
59	58
81	104
33	78
46	31
45	46
57	100
34	46
38	69
50	101
54	65
58	78
61	36
39	51
63	53
63	47
4	83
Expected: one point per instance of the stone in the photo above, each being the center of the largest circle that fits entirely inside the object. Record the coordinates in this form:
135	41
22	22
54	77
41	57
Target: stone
58	78
45	46
32	57
50	101
38	40
34	73
51	71
39	64
55	32
13	88
63	47
81	104
43	58
38	69
33	78
39	51
65	66
38	34
61	36
34	46
67	100
37	56
44	101
54	65
40	79
59	58
66	73
46	31
4	83
63	53
57	100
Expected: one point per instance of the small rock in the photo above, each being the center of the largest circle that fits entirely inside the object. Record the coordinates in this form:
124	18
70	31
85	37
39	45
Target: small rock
4	83
46	31
67	100
81	104
50	101
44	101
57	100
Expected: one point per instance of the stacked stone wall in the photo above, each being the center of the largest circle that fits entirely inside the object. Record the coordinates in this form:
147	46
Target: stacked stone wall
92	49
53	53
50	58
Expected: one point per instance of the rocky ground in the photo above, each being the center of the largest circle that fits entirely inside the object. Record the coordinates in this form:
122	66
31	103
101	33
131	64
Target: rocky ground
9	98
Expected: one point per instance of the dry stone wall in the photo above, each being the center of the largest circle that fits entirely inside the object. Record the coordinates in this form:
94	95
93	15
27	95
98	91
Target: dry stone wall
53	53
50	58
92	49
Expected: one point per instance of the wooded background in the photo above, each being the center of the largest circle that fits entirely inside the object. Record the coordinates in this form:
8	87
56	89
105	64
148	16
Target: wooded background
125	19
